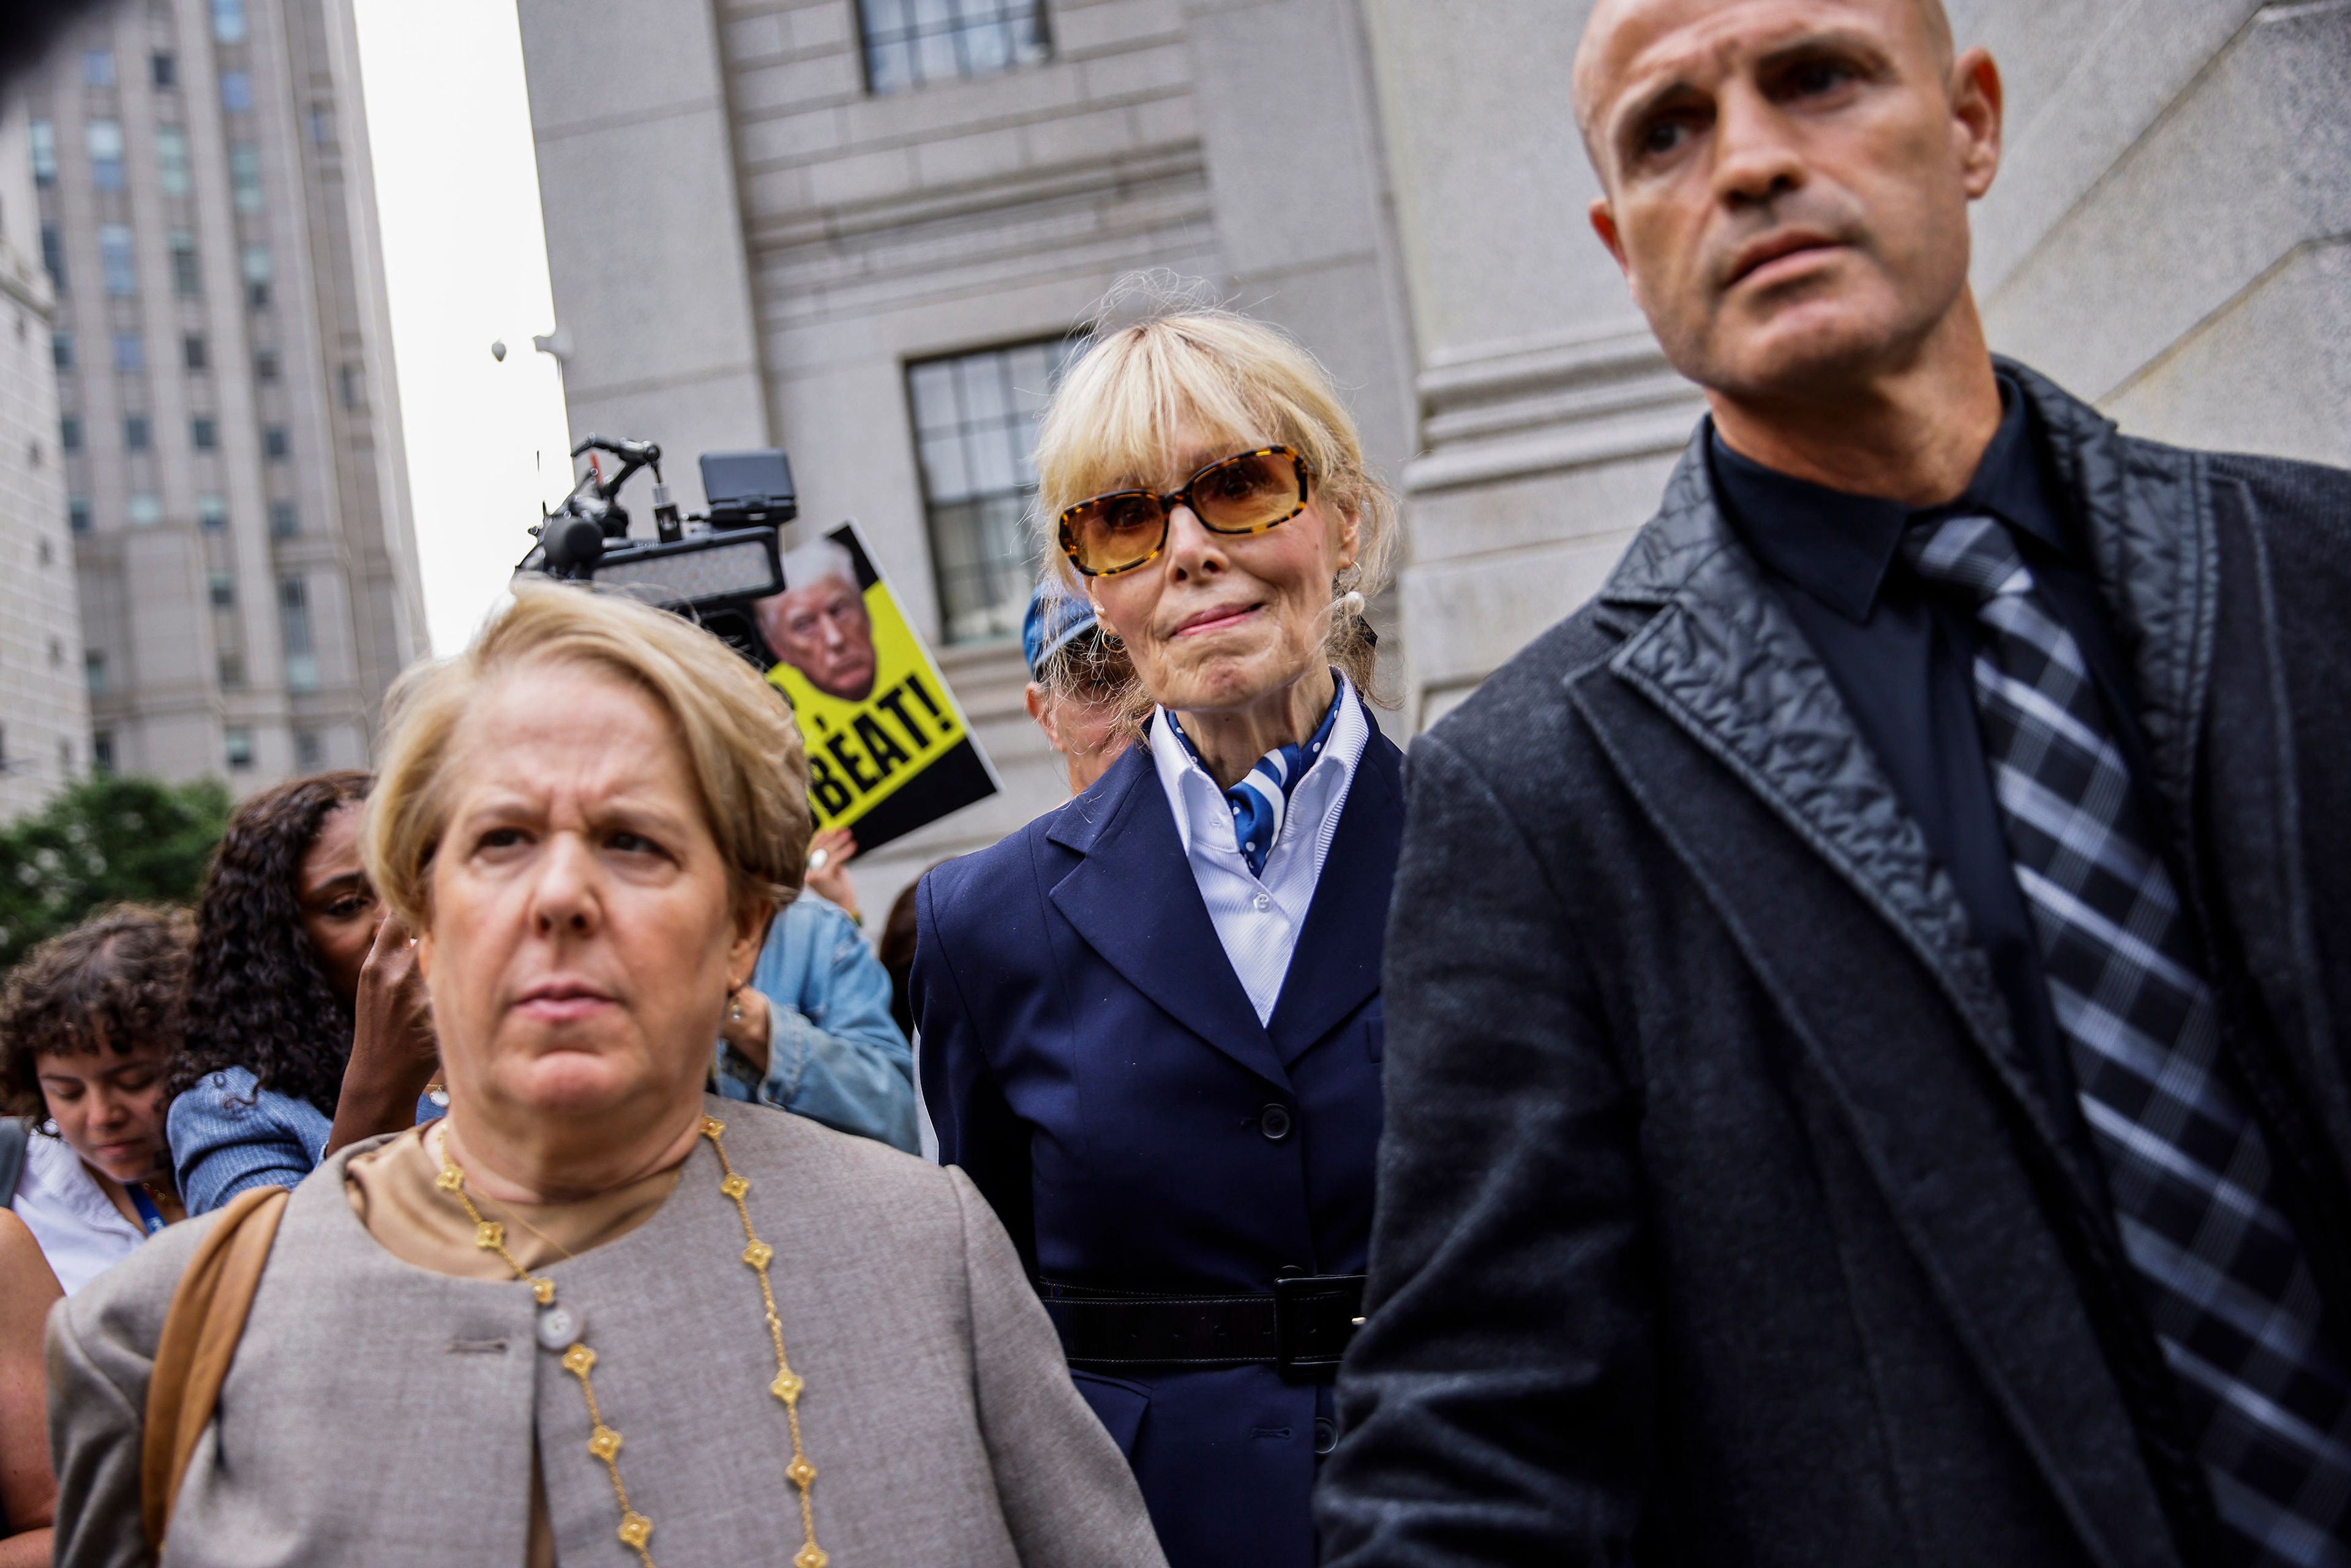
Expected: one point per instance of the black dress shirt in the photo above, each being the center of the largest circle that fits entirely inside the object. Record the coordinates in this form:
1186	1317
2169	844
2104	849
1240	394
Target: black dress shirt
1903	660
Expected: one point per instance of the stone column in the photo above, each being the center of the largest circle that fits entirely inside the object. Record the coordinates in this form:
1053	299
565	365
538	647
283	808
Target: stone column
1547	418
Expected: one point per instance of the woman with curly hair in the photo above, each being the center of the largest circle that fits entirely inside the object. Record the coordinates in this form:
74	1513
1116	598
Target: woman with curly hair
88	1023
308	1025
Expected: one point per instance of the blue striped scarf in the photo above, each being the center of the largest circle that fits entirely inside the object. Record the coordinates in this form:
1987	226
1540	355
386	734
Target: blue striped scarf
1262	799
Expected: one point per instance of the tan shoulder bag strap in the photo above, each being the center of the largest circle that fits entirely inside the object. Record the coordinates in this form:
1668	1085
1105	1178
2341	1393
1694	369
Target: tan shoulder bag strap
200	1329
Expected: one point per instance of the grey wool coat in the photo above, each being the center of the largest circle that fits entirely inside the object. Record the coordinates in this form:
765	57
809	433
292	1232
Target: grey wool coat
379	1414
1720	1221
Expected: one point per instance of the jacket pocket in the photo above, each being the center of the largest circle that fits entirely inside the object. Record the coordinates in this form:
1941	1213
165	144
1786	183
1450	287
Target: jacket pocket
1376	1031
1117	1404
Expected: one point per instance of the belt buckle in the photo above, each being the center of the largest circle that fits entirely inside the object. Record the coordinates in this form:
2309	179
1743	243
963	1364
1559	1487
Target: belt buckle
1313	1319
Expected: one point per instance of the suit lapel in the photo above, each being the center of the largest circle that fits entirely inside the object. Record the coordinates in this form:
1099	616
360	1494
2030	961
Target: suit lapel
1132	899
1336	966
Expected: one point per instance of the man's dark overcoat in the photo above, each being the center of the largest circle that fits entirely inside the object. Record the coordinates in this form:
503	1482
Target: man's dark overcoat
1719	1218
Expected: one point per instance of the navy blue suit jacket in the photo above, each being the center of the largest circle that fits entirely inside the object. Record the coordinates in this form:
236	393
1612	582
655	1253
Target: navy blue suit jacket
1090	1058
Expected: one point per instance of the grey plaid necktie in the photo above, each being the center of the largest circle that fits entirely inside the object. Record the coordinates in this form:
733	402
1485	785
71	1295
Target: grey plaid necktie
2227	1288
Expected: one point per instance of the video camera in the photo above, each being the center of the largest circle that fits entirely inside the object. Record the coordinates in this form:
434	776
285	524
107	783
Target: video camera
710	567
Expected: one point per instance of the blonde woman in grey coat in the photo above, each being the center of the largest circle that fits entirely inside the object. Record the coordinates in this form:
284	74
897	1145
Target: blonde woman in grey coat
593	1317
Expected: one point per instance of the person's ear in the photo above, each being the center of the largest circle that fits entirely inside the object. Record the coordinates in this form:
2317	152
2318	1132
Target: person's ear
1047	714
1603	224
1976	106
751	918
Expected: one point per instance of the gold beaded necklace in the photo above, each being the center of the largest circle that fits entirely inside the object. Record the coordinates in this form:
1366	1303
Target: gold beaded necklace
560	1327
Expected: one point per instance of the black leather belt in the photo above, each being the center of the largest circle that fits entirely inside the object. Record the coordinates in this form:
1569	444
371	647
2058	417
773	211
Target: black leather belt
1302	1326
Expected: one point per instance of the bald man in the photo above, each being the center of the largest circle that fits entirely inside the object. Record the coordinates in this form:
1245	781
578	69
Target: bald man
1867	996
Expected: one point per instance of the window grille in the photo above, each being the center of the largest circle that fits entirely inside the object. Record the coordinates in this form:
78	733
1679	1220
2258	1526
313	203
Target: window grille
910	42
974	428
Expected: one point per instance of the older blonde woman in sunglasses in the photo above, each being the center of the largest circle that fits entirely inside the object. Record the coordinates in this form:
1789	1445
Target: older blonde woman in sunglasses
1151	1021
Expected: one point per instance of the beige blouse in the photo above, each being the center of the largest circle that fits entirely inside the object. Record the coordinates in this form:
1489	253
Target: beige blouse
392	1190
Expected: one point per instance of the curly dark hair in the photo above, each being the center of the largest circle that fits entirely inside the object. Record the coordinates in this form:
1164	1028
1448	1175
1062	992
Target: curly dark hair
257	998
116	981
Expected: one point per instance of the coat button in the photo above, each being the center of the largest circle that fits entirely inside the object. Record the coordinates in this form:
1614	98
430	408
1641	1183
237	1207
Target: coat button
1326	1434
1274	1123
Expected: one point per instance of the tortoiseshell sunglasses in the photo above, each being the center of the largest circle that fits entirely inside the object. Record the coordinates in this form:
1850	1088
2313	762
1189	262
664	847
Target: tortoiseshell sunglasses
1247	493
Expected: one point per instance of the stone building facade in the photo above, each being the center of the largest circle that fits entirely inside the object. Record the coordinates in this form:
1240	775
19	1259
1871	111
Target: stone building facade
234	479
43	714
859	229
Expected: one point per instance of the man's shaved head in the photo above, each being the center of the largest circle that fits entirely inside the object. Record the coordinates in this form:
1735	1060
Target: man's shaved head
1608	16
1786	182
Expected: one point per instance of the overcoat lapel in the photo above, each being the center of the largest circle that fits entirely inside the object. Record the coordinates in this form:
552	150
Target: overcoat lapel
2171	556
1132	899
1336	966
1721	659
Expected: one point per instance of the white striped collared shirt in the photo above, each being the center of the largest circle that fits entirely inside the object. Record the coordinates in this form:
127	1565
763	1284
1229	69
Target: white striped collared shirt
1257	918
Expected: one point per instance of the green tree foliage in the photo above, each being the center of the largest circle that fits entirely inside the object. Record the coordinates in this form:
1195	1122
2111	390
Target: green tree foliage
104	839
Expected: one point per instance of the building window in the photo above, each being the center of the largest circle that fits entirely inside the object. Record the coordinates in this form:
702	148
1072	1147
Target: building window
203	434
144	510
212	511
275	443
77	513
115	259
98	67
130	351
105	141
70	432
975	425
231	665
186	280
93	670
61	352
101	751
172	159
237	746
265	364
284	520
909	42
163	69
228	21
138	435
354	384
245	176
236	92
195	354
224	591
307	753
294	623
322	126
256	277
53	254
44	138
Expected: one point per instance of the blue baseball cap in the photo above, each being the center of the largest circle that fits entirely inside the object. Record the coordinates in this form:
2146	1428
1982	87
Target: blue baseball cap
1056	618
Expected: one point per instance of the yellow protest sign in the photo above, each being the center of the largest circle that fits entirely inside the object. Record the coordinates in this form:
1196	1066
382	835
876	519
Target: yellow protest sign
889	749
